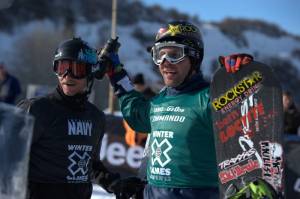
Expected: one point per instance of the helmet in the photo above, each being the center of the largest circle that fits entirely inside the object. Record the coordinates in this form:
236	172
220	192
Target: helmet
79	51
76	50
185	33
181	32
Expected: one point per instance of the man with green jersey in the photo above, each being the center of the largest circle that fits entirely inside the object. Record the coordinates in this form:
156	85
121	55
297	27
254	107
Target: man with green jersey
182	160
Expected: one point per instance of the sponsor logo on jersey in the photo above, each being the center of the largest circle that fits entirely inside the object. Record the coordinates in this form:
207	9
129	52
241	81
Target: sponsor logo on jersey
168	109
160	152
79	166
74	147
80	127
168	118
160	158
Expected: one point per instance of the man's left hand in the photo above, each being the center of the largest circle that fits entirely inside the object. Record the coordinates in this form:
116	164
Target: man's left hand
232	63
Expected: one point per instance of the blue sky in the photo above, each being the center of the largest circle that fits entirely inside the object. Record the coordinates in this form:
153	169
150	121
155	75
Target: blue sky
285	13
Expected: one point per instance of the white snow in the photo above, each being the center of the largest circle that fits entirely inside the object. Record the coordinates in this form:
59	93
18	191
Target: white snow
216	44
270	46
137	60
99	193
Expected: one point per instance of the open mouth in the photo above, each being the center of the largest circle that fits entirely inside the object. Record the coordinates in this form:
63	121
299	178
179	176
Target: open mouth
68	84
170	73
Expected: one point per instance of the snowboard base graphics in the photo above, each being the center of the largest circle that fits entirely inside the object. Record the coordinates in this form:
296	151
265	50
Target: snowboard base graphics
248	127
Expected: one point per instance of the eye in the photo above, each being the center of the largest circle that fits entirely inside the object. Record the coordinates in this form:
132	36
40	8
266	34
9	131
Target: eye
174	54
161	53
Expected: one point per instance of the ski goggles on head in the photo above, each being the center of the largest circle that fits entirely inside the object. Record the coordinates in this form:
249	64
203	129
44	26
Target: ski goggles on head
77	70
171	51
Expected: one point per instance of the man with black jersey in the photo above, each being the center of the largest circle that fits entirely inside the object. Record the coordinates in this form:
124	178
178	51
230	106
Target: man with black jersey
68	130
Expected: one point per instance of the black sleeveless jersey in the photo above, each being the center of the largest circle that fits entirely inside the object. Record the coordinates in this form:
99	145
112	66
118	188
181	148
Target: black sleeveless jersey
66	139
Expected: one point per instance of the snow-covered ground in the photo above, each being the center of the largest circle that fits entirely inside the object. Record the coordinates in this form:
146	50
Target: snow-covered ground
99	193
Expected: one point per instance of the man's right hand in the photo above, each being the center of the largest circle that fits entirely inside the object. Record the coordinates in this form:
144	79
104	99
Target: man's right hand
115	68
109	58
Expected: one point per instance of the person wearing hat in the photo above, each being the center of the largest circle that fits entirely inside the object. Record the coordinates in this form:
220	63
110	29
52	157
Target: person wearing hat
68	130
182	160
10	87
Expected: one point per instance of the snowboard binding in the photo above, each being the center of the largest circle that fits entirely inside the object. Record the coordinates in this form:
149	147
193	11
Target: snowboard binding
254	189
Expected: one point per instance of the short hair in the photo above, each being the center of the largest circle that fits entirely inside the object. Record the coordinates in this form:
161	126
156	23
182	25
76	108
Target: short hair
138	79
287	93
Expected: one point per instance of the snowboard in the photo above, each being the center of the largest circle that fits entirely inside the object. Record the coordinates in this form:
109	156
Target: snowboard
247	117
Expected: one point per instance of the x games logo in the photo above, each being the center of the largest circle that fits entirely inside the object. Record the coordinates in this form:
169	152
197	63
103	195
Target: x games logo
160	152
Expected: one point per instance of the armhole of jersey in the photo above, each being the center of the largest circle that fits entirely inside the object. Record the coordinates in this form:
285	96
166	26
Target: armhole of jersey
207	111
102	129
26	105
102	125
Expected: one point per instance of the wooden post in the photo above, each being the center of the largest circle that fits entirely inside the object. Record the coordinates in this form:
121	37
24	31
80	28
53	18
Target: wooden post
113	35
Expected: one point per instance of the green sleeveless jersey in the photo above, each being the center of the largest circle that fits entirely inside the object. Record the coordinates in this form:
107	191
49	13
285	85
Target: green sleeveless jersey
182	152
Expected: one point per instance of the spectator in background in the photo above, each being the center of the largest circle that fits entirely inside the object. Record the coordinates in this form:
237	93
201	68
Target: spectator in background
140	86
291	114
9	86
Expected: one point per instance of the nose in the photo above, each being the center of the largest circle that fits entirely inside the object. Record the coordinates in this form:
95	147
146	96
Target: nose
166	63
66	74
